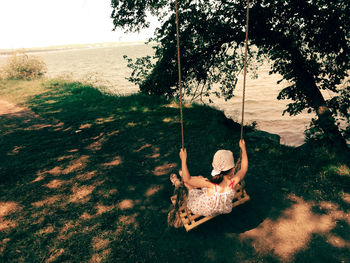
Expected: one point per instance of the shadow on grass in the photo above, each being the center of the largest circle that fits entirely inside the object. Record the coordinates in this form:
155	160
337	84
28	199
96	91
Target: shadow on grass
84	177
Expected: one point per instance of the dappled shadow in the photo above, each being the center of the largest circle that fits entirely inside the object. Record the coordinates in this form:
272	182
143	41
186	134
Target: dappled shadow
293	230
114	162
86	179
101	247
164	169
47	201
6	209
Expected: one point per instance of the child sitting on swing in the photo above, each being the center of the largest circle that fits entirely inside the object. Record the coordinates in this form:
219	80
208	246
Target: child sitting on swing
213	196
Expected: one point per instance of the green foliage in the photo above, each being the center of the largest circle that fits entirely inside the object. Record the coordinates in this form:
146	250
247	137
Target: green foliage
23	66
307	43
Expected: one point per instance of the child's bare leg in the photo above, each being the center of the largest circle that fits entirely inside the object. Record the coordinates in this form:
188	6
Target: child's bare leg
174	180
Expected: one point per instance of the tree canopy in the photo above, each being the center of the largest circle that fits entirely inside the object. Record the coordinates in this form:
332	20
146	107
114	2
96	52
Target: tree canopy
306	41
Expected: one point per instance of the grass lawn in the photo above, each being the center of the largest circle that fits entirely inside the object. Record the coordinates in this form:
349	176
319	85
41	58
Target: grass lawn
84	177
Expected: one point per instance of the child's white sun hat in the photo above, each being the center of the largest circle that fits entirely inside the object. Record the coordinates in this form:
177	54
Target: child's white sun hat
222	161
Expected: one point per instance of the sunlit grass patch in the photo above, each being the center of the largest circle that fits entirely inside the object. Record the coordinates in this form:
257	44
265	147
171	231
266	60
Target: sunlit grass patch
292	231
346	197
6	209
48	201
19	91
176	104
101	248
126	204
343	170
114	162
339	169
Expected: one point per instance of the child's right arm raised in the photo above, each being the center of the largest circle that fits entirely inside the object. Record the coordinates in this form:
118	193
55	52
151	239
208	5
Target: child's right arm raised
244	162
195	181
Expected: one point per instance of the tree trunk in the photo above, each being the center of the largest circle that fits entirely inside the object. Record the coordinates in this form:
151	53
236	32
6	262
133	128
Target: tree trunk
316	100
273	40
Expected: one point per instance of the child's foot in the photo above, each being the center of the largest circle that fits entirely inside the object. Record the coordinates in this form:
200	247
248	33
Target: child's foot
174	180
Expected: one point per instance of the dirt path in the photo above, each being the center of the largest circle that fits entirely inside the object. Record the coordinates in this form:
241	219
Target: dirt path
9	108
21	114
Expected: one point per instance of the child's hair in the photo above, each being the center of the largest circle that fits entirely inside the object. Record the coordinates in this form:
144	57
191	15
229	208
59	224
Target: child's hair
217	179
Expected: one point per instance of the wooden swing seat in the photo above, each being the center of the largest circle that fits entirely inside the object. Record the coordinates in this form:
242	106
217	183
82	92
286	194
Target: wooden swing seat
191	220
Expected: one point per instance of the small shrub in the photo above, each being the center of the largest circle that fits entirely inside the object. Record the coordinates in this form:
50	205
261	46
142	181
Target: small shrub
23	66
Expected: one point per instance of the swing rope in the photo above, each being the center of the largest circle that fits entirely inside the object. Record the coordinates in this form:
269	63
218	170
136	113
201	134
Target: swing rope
245	65
179	214
179	69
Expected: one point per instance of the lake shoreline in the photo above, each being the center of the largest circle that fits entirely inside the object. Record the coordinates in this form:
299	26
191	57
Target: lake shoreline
8	52
107	67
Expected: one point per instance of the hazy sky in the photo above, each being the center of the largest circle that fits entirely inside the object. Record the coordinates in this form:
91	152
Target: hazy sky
41	23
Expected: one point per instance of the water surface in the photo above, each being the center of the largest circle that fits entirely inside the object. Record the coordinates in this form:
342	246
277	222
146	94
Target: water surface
105	65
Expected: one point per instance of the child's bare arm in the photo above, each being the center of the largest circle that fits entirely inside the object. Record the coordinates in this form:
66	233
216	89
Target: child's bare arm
199	182
185	173
244	163
195	181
